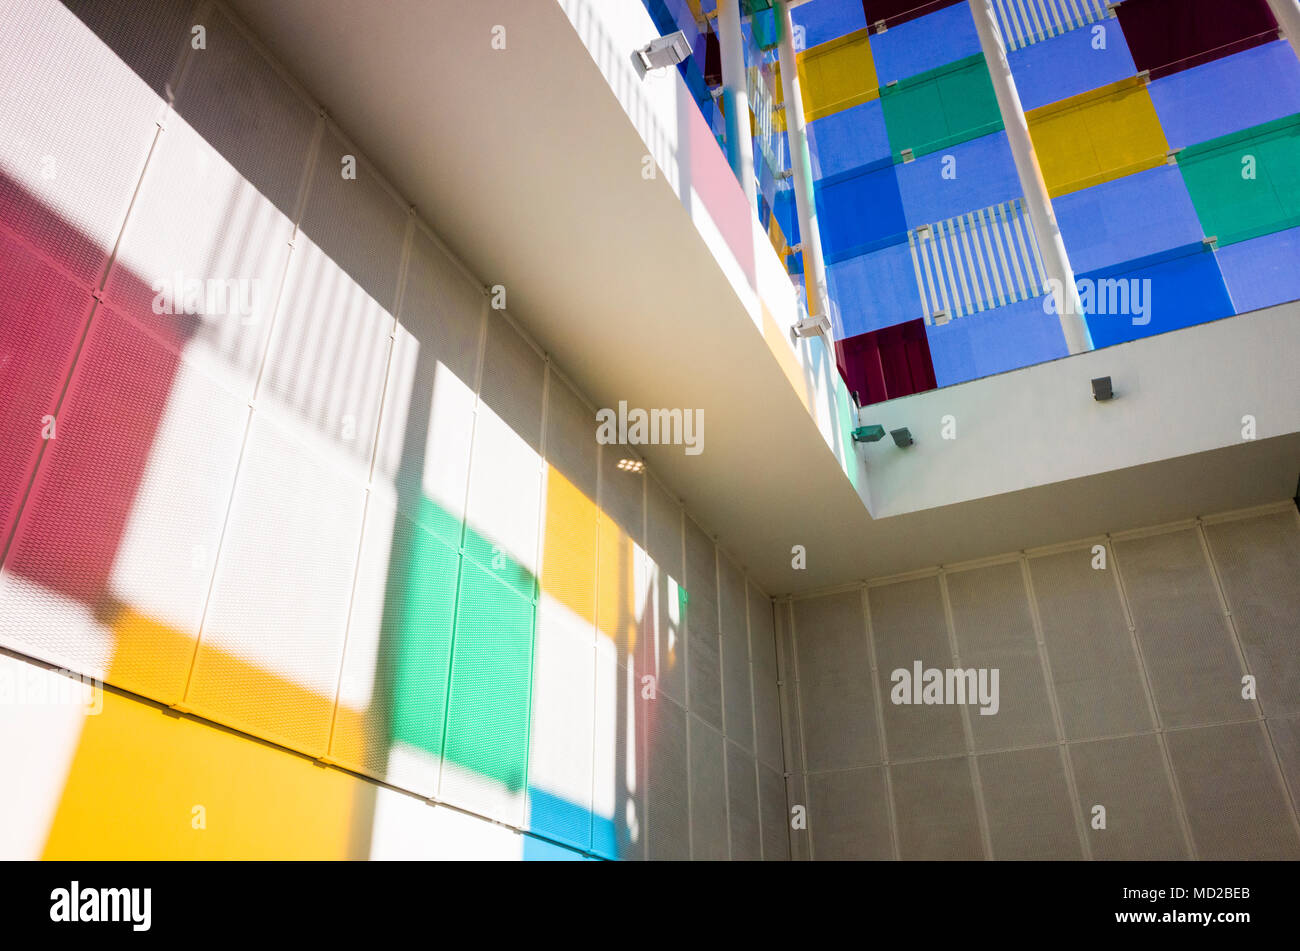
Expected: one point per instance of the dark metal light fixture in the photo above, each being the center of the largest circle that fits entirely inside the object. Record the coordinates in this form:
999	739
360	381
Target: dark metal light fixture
1101	389
869	434
902	437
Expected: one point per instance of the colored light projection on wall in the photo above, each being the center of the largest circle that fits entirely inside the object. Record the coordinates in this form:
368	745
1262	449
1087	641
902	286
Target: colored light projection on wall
1166	135
285	470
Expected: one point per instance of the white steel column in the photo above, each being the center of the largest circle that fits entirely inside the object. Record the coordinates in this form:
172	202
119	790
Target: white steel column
801	164
1287	14
1055	261
735	97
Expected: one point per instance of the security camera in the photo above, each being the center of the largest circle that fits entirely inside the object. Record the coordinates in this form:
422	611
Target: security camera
665	51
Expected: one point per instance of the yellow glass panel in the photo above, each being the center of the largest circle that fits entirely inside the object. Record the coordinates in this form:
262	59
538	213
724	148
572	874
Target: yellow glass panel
1097	137
837	75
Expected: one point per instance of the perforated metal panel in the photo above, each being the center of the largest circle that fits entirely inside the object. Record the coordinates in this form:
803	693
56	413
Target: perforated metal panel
1258	560
1127	776
667	781
124	516
428	416
561	736
207	279
907	621
934	806
1285	734
147	38
78	125
41	317
767	698
742	802
1099	686
237	101
618	796
737	692
356	222
666	628
504	509
328	354
990	615
272	640
1028	805
571	446
485	755
1190	659
1236	804
701	579
837	706
848	815
393	687
773	815
708	792
513	374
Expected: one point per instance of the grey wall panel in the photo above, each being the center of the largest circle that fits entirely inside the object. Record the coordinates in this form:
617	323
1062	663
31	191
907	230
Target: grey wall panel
1099	685
701	580
356	222
1127	776
667	779
704	655
1236	804
848	815
1027	802
773	815
147	37
797	796
235	99
1192	662
665	624
837	706
708	792
742	805
737	693
995	630
664	530
767	698
570	447
1286	741
513	376
909	625
934	807
1259	565
732	599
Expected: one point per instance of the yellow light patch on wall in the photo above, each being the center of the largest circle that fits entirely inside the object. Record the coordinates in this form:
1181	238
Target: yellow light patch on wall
569	546
616	616
149	658
147	785
835	75
779	343
1097	136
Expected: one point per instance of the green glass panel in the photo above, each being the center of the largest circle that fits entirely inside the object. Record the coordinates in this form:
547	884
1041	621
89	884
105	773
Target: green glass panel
940	108
1246	184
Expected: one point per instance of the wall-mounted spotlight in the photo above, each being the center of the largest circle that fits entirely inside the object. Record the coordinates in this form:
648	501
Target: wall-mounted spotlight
664	51
1101	389
902	437
869	434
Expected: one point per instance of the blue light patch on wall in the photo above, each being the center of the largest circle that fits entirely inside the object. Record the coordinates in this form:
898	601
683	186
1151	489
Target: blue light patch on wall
985	174
859	211
826	20
1228	95
1263	271
924	43
875	290
1066	65
848	139
995	341
539	850
1186	288
1131	217
558	818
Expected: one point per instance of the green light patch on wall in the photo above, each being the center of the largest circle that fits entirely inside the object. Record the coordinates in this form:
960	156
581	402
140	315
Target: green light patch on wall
1246	184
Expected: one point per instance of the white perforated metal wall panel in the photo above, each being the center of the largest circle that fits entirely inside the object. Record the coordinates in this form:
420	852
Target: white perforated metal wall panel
708	792
848	815
1258	562
837	707
773	815
1028	805
742	805
272	641
618	796
934	808
767	698
667	781
1190	657
1127	776
1099	685
1236	803
995	631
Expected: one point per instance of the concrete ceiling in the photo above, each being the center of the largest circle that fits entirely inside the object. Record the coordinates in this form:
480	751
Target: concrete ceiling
525	162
